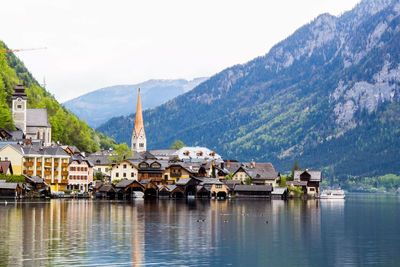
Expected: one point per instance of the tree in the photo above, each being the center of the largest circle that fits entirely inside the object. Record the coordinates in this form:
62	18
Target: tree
229	176
178	144
248	181
122	151
295	167
98	176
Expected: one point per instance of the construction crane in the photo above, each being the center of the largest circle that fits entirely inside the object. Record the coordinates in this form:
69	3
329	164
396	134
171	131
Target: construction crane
20	50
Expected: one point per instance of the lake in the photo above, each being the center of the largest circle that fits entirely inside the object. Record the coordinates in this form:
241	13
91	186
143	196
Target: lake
362	230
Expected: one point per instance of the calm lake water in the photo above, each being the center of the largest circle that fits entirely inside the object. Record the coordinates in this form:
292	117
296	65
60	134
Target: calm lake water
360	231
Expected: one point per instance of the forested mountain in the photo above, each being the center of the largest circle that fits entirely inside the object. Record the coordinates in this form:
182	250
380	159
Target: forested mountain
99	106
66	127
327	96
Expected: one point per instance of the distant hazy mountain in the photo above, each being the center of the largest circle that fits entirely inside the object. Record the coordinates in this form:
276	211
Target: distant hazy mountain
99	106
328	95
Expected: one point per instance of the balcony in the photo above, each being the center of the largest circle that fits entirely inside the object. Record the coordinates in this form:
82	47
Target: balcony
64	164
55	173
55	164
64	181
47	164
47	181
47	172
28	172
64	173
28	163
176	174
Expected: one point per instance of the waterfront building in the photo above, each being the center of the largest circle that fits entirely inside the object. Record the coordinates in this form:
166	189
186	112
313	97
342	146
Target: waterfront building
253	191
11	190
177	171
153	171
50	163
34	123
308	180
125	169
139	142
80	173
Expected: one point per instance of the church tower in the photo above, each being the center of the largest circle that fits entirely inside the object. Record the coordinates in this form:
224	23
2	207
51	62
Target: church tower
138	134
19	99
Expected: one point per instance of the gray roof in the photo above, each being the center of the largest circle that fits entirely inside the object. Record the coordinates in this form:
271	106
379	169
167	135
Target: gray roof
183	181
49	150
99	159
80	159
279	190
107	188
145	155
8	185
255	188
124	183
315	175
17	134
34	179
37	117
211	181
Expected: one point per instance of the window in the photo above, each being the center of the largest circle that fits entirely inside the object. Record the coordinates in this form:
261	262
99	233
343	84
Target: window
117	174
312	189
106	169
141	145
132	174
99	169
124	166
6	158
218	186
124	174
165	177
19	106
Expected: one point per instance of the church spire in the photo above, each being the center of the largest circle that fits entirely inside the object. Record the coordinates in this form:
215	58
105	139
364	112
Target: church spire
139	116
138	135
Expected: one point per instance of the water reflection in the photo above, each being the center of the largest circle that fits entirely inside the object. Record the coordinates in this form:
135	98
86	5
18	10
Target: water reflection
232	232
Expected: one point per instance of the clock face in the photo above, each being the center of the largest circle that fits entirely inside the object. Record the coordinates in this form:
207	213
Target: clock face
19	99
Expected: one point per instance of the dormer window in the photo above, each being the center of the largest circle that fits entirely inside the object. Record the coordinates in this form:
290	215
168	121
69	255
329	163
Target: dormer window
212	154
186	153
200	154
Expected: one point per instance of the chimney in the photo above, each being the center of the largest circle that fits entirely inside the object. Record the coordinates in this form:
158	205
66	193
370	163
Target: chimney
228	163
253	164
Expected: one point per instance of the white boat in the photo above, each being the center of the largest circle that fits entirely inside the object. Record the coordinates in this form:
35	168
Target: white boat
332	194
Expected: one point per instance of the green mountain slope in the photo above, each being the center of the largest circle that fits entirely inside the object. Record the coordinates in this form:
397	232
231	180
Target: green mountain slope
66	127
327	96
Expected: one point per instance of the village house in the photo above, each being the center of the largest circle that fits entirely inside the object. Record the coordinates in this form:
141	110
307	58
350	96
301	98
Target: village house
197	154
125	169
152	170
50	163
308	180
80	174
101	162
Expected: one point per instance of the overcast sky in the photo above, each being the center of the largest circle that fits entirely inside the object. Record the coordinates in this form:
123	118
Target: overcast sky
94	44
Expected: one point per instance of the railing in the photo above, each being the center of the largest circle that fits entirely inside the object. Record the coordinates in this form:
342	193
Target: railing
64	173
47	172
64	164
55	172
47	181
177	174
55	164
28	163
28	172
65	181
47	164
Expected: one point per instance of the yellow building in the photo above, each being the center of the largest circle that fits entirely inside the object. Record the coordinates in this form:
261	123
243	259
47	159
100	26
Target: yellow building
49	163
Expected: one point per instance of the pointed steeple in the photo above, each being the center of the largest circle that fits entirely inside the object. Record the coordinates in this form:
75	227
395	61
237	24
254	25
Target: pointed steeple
138	135
139	116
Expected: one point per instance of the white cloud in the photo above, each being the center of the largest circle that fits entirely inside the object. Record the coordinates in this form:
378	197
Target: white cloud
93	44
